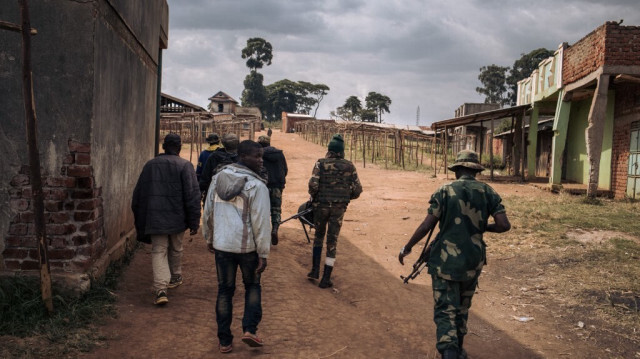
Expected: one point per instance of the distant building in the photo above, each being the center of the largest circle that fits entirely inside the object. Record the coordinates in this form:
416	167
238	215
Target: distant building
289	120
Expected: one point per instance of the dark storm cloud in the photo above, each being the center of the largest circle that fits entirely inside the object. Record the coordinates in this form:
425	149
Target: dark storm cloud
423	53
275	17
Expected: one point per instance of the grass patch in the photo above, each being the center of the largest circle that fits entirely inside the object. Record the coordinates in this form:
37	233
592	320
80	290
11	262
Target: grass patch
71	328
586	252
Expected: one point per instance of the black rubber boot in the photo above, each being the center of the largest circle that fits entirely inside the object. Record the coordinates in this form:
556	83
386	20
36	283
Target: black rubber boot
450	354
315	263
274	234
462	354
326	278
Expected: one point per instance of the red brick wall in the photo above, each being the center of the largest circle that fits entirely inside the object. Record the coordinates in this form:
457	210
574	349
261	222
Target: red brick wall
73	216
609	44
584	57
627	111
622	45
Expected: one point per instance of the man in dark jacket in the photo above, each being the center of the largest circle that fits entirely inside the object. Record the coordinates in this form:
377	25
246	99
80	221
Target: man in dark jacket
218	159
333	183
275	164
166	201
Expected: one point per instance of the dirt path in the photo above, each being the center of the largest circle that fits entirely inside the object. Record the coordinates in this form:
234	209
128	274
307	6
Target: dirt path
369	314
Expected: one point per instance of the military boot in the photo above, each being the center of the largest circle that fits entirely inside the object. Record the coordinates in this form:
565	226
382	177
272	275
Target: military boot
450	354
315	263
462	354
274	233
326	278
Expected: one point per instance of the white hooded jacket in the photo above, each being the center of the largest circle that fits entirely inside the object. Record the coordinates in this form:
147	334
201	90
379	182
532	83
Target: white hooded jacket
237	212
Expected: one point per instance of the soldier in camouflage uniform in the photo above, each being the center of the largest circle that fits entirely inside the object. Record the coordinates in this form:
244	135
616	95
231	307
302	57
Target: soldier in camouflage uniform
333	183
458	253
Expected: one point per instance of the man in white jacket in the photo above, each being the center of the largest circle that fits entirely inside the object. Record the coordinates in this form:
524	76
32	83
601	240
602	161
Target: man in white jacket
237	225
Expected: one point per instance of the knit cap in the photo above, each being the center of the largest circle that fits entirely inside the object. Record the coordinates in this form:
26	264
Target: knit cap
336	144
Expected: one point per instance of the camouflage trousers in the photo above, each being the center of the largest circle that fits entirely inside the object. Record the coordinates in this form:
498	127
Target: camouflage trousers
328	215
275	197
452	301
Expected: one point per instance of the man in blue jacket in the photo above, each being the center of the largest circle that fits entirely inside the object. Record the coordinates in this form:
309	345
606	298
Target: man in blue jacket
214	143
166	201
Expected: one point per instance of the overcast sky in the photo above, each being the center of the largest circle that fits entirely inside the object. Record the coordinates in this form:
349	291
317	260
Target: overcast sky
418	53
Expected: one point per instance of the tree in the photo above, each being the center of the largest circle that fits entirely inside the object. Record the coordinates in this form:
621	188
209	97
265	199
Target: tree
523	68
500	88
254	93
378	103
493	79
368	115
258	53
281	97
317	91
351	109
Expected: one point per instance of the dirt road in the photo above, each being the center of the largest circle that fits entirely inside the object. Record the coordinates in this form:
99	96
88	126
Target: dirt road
369	314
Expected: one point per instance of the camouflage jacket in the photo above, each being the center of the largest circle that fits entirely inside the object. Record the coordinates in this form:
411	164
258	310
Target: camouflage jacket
334	180
463	208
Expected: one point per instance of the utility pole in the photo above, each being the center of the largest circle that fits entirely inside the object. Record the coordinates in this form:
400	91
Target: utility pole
418	116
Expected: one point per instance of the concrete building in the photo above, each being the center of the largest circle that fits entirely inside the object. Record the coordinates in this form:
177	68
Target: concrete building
96	76
594	86
289	120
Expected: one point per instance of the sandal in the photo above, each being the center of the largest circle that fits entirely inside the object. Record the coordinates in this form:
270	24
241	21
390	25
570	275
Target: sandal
225	348
252	340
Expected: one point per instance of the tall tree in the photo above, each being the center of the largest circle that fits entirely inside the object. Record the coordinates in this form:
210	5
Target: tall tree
493	79
378	103
258	52
254	93
522	68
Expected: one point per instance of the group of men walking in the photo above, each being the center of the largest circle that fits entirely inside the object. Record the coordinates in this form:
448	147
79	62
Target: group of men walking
241	185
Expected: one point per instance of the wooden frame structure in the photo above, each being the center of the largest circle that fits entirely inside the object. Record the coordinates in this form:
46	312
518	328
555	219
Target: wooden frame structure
517	114
374	143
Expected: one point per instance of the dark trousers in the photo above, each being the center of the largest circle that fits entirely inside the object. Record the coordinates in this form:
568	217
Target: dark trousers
452	301
275	198
227	266
328	220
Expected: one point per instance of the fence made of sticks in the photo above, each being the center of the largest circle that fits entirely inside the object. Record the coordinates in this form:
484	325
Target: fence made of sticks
194	127
395	148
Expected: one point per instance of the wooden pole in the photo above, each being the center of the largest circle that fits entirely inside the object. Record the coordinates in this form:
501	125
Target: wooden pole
481	141
402	147
364	152
491	150
513	141
522	145
445	150
193	125
34	158
386	135
433	153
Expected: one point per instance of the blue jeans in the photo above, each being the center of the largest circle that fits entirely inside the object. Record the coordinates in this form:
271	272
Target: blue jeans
227	266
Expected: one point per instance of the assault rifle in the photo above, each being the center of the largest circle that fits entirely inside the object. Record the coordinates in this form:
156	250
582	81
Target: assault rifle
421	263
305	215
